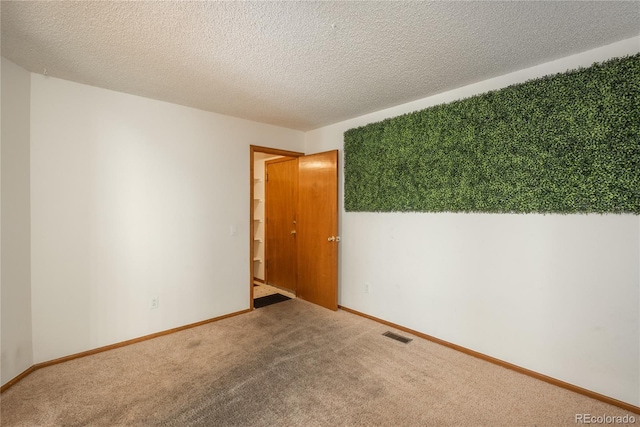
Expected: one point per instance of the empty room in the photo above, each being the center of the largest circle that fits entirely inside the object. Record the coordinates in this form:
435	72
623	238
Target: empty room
320	213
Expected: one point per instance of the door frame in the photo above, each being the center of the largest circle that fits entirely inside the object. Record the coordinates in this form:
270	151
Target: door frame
267	150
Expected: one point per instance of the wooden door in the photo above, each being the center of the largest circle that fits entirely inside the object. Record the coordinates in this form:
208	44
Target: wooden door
281	189
318	229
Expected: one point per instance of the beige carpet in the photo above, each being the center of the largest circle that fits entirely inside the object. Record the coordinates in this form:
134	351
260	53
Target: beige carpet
288	364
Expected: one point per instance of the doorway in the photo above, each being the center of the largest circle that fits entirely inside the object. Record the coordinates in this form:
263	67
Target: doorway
298	251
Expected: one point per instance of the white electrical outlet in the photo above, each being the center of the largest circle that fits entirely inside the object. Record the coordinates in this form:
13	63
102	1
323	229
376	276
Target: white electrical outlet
366	287
154	303
233	230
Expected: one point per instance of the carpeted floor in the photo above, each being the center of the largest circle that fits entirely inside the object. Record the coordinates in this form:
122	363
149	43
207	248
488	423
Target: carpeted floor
288	364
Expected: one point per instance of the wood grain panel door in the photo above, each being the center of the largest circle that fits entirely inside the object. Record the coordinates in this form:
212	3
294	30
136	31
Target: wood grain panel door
318	229
281	195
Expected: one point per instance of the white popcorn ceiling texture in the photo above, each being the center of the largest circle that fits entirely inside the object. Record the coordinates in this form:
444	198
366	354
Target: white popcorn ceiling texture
301	65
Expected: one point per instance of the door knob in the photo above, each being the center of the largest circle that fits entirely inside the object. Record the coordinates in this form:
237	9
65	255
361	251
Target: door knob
293	231
331	239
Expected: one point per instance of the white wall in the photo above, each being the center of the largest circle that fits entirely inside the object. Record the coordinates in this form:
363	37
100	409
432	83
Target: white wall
557	294
134	198
16	346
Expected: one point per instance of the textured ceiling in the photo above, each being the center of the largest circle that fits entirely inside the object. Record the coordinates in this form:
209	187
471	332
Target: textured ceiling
300	64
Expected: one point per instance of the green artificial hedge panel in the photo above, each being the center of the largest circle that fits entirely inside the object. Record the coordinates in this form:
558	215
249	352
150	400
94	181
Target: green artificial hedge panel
566	143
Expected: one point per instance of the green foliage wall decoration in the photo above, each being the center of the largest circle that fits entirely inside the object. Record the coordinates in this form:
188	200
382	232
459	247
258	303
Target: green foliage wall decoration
566	143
